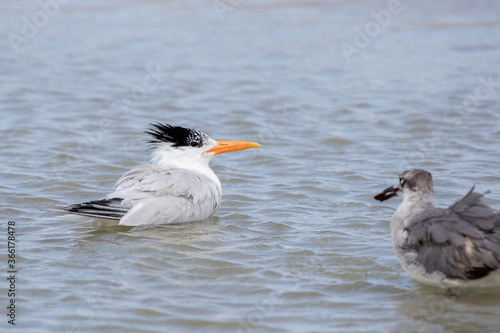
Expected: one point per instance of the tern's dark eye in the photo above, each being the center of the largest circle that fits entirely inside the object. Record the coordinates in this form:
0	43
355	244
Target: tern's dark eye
401	181
195	144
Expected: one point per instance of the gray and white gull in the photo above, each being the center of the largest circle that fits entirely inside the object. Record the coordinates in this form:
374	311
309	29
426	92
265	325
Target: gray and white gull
178	186
456	246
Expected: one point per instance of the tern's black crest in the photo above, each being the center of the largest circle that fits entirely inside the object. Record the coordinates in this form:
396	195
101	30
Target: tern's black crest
175	135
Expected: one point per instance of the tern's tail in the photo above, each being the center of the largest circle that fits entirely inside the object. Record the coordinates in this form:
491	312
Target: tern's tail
104	209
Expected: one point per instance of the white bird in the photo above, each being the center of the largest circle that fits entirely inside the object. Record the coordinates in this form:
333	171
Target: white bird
178	186
446	247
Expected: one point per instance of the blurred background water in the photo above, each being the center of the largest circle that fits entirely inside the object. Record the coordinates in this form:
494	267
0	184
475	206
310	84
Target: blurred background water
342	95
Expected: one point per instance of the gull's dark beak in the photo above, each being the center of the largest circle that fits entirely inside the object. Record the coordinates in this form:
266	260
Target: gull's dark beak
387	193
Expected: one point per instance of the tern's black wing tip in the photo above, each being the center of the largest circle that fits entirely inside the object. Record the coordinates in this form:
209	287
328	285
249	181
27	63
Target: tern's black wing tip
105	209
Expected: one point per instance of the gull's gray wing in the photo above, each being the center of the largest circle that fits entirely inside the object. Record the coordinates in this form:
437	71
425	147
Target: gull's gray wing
473	209
462	241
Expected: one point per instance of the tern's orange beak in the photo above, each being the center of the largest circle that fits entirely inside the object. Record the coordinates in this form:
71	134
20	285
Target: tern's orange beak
227	146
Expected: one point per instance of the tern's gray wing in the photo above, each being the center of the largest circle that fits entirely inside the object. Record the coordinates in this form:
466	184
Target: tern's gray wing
155	195
151	195
462	241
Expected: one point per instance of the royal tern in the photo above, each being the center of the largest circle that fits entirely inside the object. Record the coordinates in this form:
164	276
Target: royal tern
178	186
446	247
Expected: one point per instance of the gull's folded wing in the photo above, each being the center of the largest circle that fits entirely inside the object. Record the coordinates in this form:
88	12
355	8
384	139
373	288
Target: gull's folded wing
462	241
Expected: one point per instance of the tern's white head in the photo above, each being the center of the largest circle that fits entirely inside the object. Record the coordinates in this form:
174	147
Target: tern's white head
175	146
415	184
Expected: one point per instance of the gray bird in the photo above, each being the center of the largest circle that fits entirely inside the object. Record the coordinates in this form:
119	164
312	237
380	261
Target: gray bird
178	186
446	247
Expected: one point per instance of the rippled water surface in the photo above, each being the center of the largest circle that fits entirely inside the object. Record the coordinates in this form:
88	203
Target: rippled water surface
298	244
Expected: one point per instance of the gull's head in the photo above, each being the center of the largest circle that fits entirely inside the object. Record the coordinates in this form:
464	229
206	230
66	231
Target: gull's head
186	147
412	183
